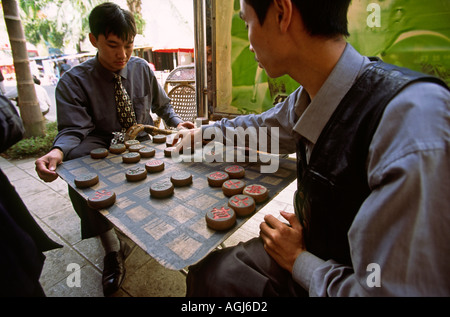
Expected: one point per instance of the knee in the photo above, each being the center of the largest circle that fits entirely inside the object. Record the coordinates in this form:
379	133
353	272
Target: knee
232	271
210	277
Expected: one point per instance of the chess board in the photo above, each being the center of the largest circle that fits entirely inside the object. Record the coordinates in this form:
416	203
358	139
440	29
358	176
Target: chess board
172	230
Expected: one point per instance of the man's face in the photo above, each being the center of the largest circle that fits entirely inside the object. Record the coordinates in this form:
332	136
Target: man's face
113	53
262	40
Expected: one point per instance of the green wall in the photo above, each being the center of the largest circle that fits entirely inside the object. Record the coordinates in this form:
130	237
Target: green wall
409	33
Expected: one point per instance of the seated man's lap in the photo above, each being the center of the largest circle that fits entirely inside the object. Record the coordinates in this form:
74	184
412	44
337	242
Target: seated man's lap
92	222
245	270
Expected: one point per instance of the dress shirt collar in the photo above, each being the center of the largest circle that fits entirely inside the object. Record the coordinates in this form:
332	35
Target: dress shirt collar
107	74
124	72
315	114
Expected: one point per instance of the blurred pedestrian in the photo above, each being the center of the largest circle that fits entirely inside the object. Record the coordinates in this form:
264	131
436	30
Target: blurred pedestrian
63	67
42	96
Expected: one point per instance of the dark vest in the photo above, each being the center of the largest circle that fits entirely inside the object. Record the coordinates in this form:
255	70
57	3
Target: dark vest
334	184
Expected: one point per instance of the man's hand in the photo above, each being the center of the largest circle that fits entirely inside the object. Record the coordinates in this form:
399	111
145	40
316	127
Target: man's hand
46	165
184	129
282	242
187	137
186	125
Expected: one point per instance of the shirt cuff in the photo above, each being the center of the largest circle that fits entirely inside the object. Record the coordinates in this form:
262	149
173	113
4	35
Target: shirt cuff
304	267
175	121
63	149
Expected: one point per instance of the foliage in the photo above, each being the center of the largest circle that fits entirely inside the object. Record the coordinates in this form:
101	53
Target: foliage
44	30
135	7
34	146
69	22
39	29
412	33
56	23
140	23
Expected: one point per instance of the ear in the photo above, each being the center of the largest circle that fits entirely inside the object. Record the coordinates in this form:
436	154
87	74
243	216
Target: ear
93	40
284	11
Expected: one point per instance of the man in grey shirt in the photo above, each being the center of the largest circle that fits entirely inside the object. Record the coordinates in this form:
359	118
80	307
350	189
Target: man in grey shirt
397	238
87	117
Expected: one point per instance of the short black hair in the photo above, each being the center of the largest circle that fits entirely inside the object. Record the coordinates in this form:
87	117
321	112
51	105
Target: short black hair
321	17
109	18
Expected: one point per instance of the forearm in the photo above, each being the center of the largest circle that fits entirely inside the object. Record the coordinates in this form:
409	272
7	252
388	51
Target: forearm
174	120
326	278
266	132
66	142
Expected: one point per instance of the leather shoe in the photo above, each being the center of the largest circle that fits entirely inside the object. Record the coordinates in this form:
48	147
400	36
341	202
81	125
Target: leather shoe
114	270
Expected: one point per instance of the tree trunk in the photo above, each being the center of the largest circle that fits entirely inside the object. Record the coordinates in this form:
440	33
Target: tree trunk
32	118
135	6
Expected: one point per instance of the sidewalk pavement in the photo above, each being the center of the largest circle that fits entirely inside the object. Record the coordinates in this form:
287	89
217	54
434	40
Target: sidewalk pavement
50	205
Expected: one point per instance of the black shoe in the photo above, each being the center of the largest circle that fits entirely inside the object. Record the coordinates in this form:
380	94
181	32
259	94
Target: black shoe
114	270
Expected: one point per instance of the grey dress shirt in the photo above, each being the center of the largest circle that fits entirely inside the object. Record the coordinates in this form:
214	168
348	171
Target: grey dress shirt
399	238
86	104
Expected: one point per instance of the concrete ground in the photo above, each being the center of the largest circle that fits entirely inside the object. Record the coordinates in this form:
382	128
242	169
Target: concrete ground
49	203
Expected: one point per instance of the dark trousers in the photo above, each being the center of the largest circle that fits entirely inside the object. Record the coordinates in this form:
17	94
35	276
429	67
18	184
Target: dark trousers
92	222
245	270
22	242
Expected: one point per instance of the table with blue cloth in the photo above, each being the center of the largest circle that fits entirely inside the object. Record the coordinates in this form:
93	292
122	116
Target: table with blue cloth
172	230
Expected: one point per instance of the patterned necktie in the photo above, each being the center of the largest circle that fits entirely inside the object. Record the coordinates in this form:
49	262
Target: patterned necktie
127	117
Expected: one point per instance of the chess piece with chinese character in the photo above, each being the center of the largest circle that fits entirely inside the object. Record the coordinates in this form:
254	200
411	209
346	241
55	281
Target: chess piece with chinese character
86	180
147	152
243	205
129	143
162	189
235	171
136	174
117	148
154	166
258	192
217	179
233	187
159	139
99	153
132	157
136	147
102	199
220	218
181	179
169	150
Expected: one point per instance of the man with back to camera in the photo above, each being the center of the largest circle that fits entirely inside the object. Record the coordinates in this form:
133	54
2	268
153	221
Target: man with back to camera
87	117
372	143
22	240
